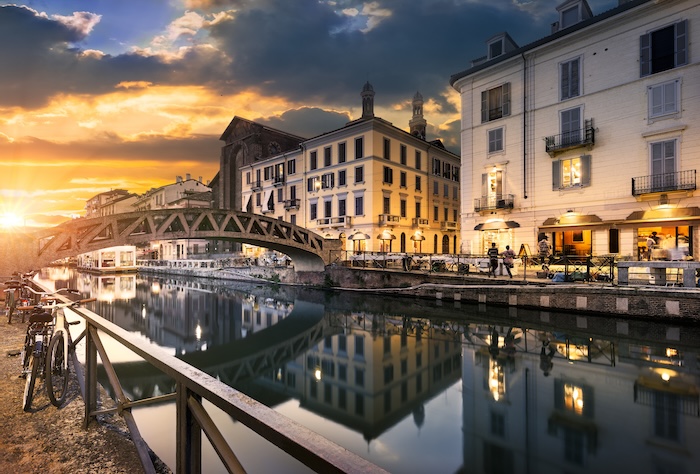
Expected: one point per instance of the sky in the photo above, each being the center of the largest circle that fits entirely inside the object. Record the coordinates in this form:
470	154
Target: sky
128	94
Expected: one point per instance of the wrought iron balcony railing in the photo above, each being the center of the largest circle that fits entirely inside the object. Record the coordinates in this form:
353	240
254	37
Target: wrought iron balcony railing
665	182
489	203
571	139
278	180
256	185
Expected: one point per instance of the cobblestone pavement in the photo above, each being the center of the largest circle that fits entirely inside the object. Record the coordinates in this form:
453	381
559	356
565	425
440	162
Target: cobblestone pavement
53	440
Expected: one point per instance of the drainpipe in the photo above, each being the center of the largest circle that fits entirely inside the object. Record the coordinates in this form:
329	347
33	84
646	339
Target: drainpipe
524	126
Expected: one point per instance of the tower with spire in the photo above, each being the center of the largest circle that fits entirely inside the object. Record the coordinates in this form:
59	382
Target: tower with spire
367	101
418	124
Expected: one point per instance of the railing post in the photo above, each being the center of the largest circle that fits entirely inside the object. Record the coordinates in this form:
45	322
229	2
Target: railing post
188	434
90	374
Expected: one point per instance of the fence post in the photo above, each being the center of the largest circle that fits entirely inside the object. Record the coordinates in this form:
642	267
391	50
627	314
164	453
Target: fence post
188	434
90	373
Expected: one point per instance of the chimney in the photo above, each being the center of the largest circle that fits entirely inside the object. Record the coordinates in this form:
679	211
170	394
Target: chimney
188	177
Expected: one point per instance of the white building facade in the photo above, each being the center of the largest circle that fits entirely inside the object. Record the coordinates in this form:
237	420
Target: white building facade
588	136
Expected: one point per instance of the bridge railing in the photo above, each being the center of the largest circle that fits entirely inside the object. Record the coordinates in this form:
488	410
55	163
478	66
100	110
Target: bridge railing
192	420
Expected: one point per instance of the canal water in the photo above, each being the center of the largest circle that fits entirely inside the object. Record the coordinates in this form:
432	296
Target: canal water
415	386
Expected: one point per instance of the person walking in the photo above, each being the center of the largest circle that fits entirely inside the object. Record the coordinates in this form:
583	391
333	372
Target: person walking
651	244
544	250
493	259
508	257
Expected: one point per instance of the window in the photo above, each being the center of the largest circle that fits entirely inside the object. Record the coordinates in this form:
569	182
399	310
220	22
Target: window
403	154
313	211
292	192
328	181
359	174
267	173
569	17
495	48
571	172
280	195
663	164
570	121
247	177
327	156
663	49
388	175
327	208
495	103
291	167
418	183
436	188
455	193
447	170
341	152
445	190
359	346
313	184
341	207
403	208
418	210
435	217
386	205
496	140
446	214
258	199
359	147
341	178
437	167
569	79
402	179
664	99
387	149
359	206
418	160
313	164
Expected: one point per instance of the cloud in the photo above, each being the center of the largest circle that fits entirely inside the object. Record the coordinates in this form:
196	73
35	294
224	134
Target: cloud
307	122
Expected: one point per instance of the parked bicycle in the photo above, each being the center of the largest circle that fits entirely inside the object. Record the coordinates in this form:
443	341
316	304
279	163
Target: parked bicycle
17	294
47	348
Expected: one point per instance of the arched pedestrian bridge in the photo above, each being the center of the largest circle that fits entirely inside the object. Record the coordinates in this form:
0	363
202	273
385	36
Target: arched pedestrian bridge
22	252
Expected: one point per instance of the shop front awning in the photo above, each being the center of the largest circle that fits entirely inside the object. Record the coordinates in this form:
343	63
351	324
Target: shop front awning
572	222
497	225
677	215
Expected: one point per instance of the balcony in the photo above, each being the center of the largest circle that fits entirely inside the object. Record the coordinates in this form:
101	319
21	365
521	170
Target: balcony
664	183
419	223
256	185
492	203
268	210
448	226
570	140
292	204
323	222
388	219
278	181
342	221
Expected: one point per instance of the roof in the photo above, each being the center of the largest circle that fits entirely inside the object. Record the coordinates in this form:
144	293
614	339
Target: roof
547	39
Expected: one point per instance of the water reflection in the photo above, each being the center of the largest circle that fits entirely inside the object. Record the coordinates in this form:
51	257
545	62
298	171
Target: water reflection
423	386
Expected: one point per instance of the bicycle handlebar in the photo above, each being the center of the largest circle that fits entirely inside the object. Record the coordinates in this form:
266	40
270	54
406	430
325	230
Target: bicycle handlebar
56	305
45	293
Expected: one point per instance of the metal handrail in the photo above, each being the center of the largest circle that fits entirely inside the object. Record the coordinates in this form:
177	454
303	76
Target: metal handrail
193	386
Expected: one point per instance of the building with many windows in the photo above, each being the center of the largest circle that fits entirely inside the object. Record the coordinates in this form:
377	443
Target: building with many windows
587	135
371	184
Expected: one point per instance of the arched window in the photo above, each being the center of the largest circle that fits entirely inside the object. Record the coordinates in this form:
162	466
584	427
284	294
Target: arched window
403	242
445	244
435	243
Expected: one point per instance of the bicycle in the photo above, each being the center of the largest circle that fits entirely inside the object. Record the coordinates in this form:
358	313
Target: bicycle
16	294
47	346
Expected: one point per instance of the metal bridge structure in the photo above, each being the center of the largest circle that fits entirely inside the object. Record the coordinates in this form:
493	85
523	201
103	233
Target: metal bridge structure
26	251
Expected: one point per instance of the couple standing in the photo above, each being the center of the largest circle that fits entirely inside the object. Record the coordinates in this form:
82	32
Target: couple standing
508	257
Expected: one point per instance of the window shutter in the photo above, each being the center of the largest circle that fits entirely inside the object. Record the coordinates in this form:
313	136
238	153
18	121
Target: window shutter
556	175
484	106
586	170
565	81
645	55
506	99
484	184
573	90
681	43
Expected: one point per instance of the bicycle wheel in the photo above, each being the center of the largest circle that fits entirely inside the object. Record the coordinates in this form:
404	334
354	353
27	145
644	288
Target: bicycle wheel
56	372
31	381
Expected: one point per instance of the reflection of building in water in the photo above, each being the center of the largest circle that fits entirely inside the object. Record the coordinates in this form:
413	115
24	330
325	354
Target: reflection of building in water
107	288
260	313
576	418
374	373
